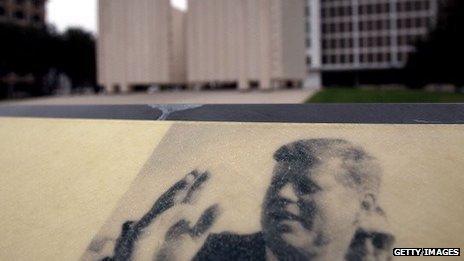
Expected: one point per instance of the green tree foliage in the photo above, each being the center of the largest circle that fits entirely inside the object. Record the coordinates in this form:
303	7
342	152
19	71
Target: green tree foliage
439	57
27	50
79	57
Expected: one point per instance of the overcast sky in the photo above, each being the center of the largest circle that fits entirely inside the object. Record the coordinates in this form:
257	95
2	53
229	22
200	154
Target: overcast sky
82	13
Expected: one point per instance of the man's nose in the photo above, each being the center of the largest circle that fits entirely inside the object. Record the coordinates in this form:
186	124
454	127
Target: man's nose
288	193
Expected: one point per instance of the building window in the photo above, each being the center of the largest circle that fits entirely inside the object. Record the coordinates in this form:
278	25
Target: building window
37	18
387	41
19	15
325	28
333	12
362	42
370	58
363	58
2	11
332	28
370	9
370	42
333	44
342	44
408	7
342	59
380	58
325	44
427	5
400	24
408	23
333	59
370	26
350	27
38	3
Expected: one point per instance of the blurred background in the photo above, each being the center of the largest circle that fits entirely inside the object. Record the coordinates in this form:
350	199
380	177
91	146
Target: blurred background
51	52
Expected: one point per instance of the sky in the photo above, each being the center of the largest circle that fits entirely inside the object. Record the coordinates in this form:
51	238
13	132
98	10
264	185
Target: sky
81	13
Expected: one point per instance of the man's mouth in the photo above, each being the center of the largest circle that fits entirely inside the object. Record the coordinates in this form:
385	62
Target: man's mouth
283	228
279	216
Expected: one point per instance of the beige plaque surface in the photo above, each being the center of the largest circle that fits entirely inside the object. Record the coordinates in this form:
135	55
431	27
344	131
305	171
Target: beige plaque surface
60	180
242	190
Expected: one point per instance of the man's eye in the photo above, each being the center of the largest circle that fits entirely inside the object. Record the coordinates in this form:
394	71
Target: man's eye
307	188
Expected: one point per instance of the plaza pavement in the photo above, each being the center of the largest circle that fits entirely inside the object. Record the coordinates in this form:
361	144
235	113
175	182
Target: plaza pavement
175	97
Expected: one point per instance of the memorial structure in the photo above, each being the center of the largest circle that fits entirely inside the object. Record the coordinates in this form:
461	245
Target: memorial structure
252	43
141	42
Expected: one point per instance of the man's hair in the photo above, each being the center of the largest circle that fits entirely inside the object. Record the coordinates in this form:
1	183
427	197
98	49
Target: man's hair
362	172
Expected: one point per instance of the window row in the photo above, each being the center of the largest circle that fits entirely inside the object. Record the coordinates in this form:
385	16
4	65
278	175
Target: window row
375	25
343	27
375	8
408	6
363	58
417	22
20	15
343	43
36	3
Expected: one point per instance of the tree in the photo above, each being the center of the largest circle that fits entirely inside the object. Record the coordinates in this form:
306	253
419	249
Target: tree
35	51
439	57
79	57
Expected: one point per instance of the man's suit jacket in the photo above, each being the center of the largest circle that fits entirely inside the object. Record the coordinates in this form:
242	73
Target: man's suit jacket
228	246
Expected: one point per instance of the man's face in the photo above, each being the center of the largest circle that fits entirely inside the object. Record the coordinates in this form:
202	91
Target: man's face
308	214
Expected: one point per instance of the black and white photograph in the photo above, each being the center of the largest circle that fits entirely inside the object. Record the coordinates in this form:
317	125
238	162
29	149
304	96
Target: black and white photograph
257	192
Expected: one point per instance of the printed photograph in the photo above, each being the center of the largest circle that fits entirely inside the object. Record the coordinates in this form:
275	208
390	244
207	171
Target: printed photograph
272	192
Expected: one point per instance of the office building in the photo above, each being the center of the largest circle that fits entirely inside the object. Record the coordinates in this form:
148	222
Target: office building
23	12
366	35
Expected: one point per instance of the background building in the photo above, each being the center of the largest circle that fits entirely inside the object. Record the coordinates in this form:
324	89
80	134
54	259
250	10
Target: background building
373	36
313	44
141	43
249	43
23	12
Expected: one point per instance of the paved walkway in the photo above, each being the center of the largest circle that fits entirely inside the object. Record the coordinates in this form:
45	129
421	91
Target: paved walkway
176	97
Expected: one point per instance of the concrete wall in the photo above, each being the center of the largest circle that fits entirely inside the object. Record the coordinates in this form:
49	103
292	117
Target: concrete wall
140	43
245	41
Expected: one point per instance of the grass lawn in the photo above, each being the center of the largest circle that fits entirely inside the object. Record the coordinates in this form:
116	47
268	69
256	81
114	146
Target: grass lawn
342	95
